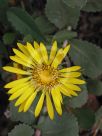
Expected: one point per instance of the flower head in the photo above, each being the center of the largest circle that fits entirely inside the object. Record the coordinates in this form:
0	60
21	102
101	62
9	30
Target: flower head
40	74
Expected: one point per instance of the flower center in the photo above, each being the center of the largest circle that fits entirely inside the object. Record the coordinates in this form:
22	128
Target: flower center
45	76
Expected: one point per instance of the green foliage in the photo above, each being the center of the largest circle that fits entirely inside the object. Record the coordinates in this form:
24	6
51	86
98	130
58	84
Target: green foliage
75	3
88	56
22	130
99	118
44	25
93	6
86	118
8	38
95	87
27	117
66	125
80	100
61	15
24	23
63	35
3	9
58	20
28	38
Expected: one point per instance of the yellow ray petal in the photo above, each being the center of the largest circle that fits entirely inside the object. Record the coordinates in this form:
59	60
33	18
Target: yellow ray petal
58	94
18	60
71	86
15	70
57	102
34	53
21	107
39	105
73	80
23	97
16	88
17	82
64	91
23	56
71	74
44	53
30	101
17	93
58	59
67	92
66	49
70	69
23	49
49	106
53	52
36	45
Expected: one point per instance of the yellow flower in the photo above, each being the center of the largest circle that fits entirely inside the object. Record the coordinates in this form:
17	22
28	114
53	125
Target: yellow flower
39	74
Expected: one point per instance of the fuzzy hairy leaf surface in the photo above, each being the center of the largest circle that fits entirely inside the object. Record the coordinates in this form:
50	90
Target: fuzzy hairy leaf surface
80	100
93	6
75	3
60	14
88	56
25	117
66	125
86	118
24	23
21	130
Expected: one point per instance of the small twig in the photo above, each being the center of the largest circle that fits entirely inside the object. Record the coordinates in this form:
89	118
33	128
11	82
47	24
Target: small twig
97	127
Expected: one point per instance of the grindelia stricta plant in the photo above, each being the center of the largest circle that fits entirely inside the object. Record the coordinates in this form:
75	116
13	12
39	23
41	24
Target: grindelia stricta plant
40	74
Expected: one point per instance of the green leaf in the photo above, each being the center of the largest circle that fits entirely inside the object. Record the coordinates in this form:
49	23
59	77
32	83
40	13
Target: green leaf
3	10
63	35
75	3
22	130
88	56
98	116
93	6
24	23
8	38
80	100
25	117
95	87
66	125
28	38
86	118
44	25
61	15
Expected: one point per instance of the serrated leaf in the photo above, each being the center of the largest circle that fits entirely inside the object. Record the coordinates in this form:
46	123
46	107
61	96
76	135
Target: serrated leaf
88	56
66	125
98	116
86	118
75	3
80	100
93	6
24	23
63	35
8	38
95	87
25	117
61	15
22	130
45	26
